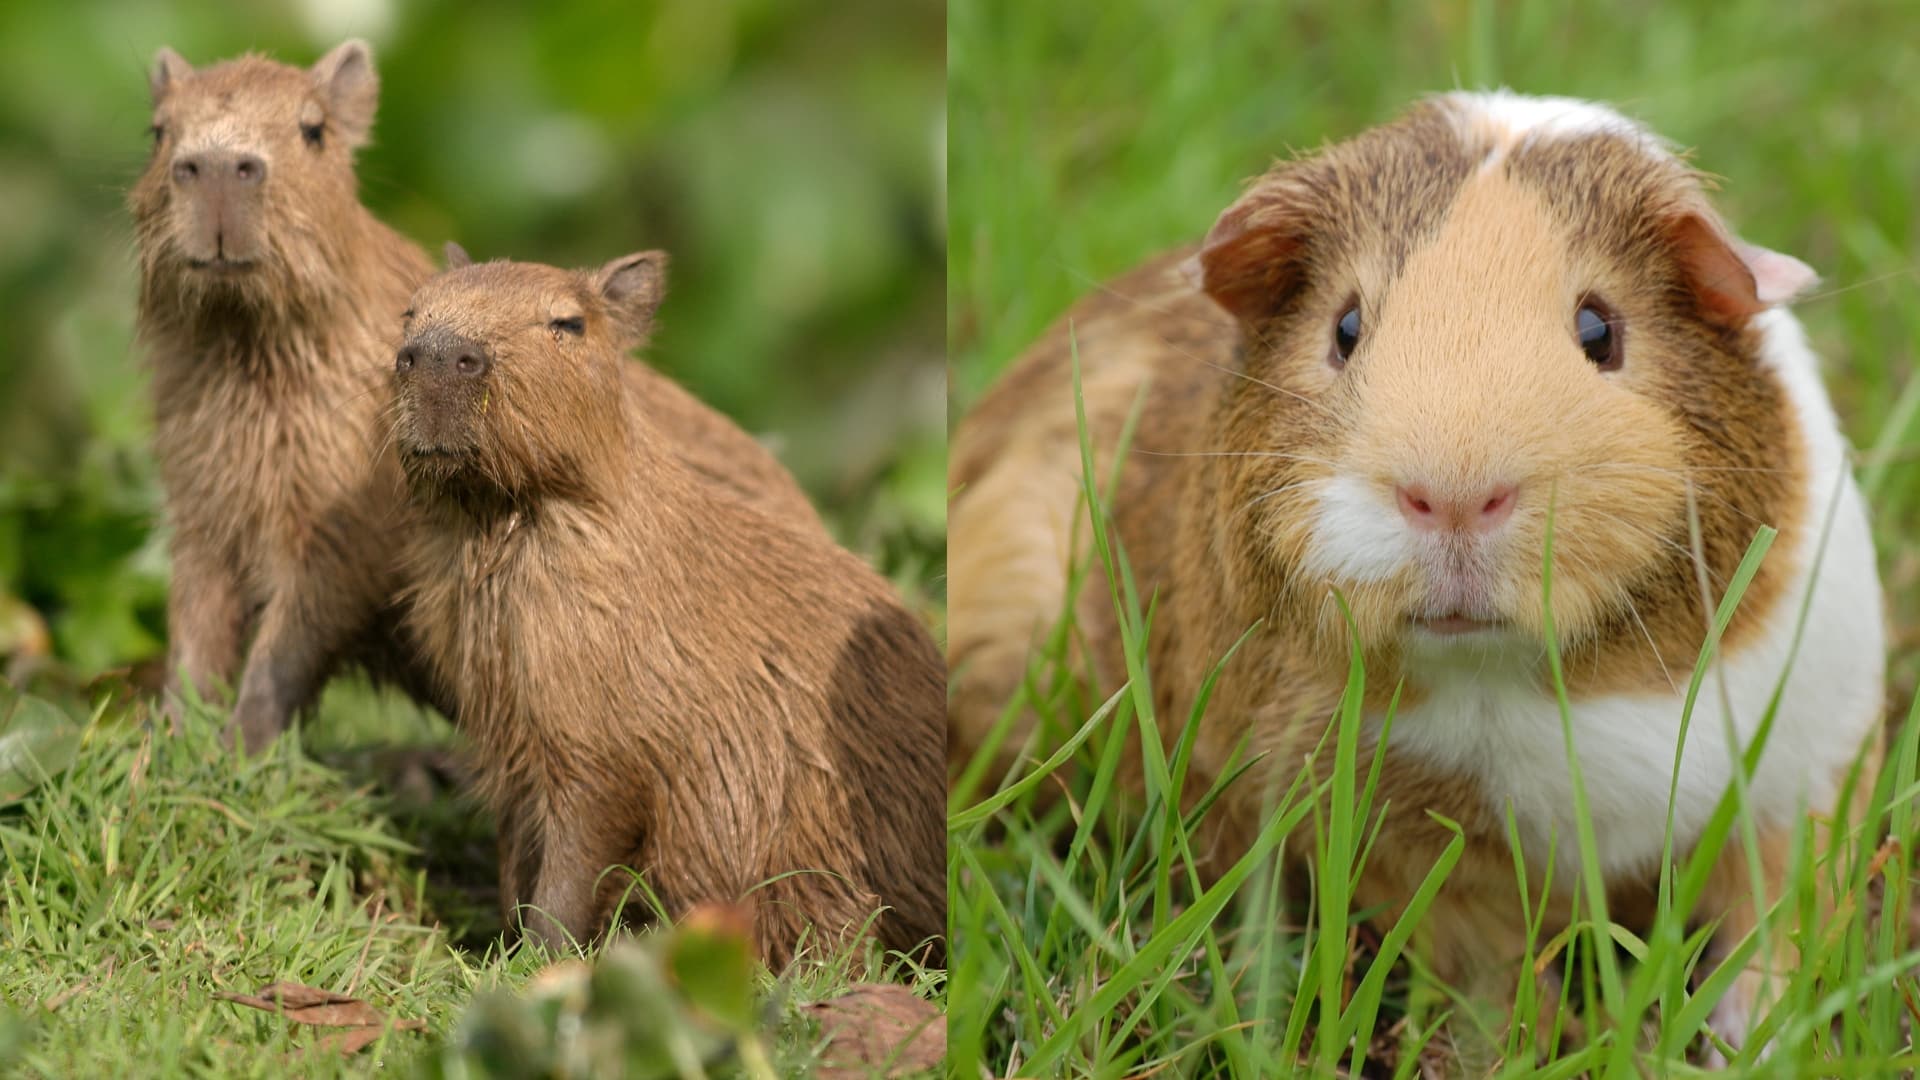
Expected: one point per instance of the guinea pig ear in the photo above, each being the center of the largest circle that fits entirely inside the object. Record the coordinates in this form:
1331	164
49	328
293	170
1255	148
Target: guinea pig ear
348	87
169	67
457	257
632	286
1249	261
1732	279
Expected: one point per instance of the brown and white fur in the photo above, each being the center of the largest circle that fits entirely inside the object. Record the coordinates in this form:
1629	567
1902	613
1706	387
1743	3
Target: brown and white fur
655	672
1415	476
270	303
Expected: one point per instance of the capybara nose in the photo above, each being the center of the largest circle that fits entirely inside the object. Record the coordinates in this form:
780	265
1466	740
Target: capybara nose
1432	509
470	362
219	167
442	355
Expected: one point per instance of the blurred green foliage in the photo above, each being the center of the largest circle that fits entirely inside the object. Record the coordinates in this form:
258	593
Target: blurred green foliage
788	155
1087	135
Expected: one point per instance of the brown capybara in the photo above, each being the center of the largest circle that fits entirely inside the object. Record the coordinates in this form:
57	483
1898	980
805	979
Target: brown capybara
269	304
656	674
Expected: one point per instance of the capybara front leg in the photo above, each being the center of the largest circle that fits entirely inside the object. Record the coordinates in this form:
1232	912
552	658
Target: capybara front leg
561	911
206	622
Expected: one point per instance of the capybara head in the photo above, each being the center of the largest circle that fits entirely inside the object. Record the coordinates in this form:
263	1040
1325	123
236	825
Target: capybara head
1473	322
509	381
252	164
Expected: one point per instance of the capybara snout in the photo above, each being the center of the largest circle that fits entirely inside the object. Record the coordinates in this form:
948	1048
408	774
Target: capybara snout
434	356
440	383
220	189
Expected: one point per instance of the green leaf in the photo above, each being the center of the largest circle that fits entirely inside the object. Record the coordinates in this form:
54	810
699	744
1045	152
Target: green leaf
37	742
711	955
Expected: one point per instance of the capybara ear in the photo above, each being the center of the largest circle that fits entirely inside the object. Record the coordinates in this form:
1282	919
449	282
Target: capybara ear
1250	261
349	88
1732	279
633	286
169	67
457	256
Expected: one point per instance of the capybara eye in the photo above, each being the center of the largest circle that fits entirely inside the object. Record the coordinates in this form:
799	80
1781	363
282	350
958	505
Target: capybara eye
1593	326
1346	335
575	325
158	132
312	133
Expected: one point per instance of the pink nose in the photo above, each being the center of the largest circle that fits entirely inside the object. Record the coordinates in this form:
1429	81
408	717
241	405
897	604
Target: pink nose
1435	511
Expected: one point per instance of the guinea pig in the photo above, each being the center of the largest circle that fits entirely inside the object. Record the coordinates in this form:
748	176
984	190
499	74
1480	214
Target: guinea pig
1381	375
656	671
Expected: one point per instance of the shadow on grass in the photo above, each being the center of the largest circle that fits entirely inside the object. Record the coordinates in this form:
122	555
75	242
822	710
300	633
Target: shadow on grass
421	788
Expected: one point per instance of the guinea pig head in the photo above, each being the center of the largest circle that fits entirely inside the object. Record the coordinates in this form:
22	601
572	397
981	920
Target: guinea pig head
1469	332
251	170
508	383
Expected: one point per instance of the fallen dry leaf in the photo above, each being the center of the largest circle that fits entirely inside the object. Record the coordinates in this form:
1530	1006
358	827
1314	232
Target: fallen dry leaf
311	1005
352	1040
879	1029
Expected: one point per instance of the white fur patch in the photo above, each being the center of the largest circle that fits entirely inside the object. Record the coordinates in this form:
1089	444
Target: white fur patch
1507	734
1357	535
1524	118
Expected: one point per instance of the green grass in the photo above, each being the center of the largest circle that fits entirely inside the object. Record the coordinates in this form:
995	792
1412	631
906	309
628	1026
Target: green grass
785	154
156	871
1087	136
1089	944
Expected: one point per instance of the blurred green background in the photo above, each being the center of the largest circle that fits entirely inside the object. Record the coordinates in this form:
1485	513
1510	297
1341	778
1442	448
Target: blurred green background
1088	134
789	155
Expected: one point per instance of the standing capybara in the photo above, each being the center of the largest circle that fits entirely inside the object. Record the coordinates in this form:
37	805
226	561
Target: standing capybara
269	303
655	673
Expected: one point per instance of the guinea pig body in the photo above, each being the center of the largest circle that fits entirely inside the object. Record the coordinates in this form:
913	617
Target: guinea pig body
1392	370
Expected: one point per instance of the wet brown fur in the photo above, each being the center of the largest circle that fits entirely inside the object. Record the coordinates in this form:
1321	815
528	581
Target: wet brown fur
269	386
267	393
655	673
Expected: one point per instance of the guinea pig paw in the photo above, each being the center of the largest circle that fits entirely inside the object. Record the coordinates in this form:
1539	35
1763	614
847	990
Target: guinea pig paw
1732	1020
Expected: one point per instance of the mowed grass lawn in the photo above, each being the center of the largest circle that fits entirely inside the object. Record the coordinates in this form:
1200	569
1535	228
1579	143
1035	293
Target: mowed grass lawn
158	872
1086	136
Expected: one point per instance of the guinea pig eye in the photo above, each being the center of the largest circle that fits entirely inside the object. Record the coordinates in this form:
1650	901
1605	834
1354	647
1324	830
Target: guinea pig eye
573	324
1346	335
1593	326
314	134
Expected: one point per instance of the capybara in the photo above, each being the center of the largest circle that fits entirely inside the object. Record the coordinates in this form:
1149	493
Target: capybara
270	303
655	673
1392	371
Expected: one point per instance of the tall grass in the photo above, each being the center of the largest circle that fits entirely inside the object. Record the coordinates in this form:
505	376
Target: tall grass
1118	958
